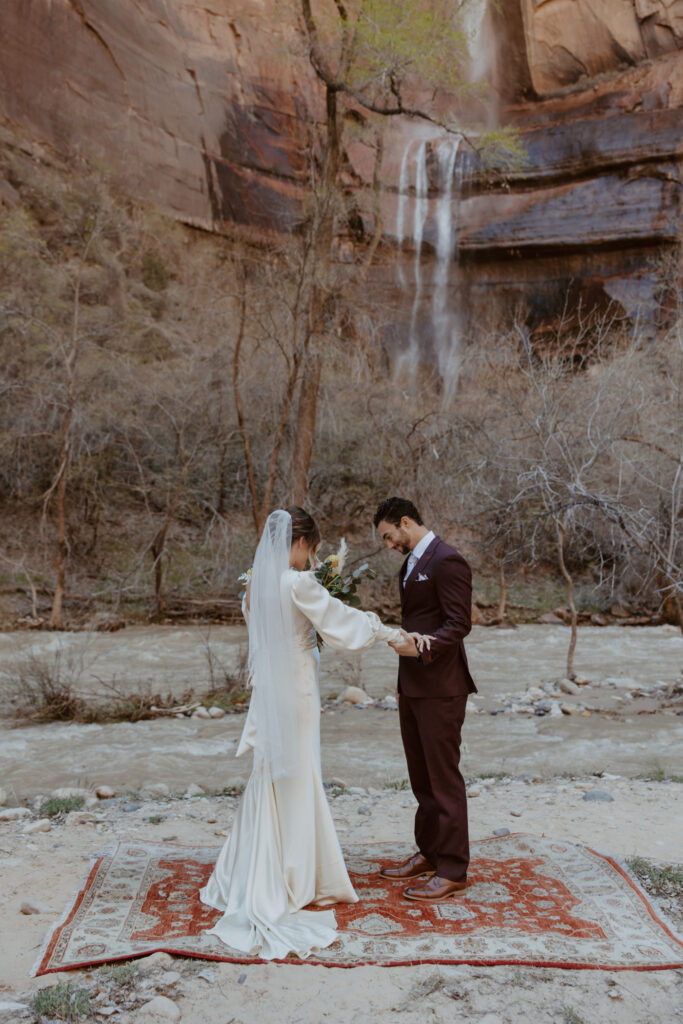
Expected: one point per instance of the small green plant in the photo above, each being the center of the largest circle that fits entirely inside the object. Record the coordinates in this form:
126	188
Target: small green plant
398	784
120	974
338	791
55	805
659	775
662	881
156	819
65	1001
570	1016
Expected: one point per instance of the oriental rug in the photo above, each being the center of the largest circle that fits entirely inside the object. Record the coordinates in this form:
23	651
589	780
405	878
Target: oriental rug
531	901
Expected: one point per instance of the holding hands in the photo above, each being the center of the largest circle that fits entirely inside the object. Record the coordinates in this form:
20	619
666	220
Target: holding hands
411	645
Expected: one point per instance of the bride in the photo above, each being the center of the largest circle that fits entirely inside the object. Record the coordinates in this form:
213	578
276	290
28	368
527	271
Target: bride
283	853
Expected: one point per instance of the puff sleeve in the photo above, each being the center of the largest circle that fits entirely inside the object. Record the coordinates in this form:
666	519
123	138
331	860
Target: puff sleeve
340	626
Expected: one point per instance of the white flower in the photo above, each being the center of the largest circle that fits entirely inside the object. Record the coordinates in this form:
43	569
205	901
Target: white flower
245	577
341	556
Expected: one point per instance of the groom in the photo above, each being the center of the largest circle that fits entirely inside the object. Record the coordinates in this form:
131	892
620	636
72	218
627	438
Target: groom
436	599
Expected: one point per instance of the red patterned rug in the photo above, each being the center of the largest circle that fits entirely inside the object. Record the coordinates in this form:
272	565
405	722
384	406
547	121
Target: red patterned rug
530	901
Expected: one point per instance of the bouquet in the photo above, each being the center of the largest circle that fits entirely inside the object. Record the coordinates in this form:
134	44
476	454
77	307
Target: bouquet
330	571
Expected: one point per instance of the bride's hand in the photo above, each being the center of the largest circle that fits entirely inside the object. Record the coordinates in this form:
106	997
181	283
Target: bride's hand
422	640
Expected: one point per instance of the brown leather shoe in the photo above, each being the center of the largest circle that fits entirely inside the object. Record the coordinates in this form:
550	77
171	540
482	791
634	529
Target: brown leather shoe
435	889
415	867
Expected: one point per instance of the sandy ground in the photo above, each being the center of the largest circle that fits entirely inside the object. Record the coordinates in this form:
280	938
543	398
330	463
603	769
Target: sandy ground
550	762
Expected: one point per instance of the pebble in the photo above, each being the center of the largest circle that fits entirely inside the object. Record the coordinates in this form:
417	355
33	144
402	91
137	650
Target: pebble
14	813
598	795
194	790
216	712
159	1008
208	976
364	810
42	825
568	709
516	814
201	713
474	792
536	692
131	807
28	907
567	686
105	792
338	782
354	695
241	980
501	831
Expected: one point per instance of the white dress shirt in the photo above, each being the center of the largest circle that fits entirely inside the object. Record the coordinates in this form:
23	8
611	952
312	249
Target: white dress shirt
417	553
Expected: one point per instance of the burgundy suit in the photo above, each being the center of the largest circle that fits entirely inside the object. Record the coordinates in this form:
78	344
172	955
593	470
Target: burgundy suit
437	599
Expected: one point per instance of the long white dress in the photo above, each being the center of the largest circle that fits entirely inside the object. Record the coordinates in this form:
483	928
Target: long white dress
283	853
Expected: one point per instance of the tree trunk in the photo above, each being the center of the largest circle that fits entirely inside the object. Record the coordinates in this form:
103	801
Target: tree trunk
502	589
570	598
305	429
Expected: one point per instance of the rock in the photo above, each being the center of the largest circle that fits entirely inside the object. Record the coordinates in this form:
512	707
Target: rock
208	976
357	791
105	792
535	692
32	907
170	977
90	802
161	1008
131	807
569	709
201	712
42	825
390	700
585	713
364	810
70	793
80	818
598	619
4	796
568	686
194	790
550	619
14	813
501	832
8	1006
155	961
555	710
156	789
354	695
474	792
516	814
339	783
619	612
597	795
216	712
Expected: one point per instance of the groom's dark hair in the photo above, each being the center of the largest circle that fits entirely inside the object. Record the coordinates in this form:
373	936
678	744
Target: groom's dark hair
394	509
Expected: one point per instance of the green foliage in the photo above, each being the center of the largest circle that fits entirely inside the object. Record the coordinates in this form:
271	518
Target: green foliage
54	805
121	974
664	881
393	39
65	1001
398	784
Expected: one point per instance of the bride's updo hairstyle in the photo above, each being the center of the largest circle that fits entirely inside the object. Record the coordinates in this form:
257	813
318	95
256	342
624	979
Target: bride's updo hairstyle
304	526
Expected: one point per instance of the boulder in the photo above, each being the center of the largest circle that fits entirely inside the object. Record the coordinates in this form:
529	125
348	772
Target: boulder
354	695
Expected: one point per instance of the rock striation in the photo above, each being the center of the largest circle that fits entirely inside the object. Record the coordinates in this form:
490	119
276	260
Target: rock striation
210	111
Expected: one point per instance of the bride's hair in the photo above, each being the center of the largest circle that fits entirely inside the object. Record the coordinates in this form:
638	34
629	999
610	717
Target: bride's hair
304	526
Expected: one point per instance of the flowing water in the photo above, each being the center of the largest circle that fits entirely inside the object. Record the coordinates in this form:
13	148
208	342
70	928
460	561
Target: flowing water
629	736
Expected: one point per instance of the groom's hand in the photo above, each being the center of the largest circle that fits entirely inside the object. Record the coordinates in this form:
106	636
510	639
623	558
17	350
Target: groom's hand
405	647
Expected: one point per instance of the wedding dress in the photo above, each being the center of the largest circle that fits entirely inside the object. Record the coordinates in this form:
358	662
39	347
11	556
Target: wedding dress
283	853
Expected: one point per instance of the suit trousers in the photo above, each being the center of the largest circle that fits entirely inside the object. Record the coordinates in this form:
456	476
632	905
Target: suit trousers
430	729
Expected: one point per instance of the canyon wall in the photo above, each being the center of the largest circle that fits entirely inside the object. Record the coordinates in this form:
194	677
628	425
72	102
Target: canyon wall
207	111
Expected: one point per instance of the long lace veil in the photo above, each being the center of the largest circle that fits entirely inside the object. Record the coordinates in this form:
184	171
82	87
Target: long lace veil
271	660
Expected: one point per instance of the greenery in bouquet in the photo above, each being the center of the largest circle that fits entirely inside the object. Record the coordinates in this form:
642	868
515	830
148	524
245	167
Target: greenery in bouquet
330	573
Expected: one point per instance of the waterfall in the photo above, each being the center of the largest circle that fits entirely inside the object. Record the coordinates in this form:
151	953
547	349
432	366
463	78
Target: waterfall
446	338
444	325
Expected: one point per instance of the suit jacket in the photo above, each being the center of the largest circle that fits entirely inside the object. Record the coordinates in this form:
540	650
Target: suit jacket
437	599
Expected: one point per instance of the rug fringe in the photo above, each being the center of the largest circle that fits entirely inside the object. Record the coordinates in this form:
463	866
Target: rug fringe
108	851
